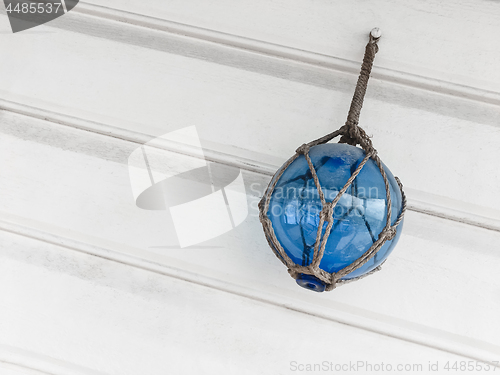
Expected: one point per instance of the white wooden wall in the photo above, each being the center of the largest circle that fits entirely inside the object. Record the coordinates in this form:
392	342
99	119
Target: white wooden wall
92	284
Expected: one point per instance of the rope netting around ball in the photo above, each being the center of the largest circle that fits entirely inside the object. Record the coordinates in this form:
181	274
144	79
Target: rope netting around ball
353	135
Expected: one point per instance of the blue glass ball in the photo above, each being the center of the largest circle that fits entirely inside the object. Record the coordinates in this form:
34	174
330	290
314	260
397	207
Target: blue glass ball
359	216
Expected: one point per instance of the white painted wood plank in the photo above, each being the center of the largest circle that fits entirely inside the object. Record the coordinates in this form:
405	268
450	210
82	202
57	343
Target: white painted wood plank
244	103
75	185
71	188
110	318
446	40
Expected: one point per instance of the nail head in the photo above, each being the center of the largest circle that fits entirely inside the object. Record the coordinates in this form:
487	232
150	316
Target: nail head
376	33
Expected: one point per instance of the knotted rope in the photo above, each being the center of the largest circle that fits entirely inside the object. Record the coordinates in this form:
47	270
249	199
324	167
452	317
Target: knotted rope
353	135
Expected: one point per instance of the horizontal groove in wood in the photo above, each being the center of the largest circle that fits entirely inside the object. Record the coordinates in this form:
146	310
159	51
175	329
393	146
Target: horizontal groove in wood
303	56
39	364
449	213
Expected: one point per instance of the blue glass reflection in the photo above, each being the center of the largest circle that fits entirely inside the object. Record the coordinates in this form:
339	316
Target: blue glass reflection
359	216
